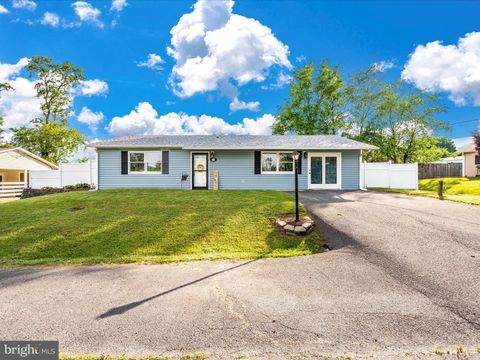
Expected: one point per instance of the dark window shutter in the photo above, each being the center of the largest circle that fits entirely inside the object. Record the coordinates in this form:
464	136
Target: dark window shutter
258	161
300	163
124	162
165	162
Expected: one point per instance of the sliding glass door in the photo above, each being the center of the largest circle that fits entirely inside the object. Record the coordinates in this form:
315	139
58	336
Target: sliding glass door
324	171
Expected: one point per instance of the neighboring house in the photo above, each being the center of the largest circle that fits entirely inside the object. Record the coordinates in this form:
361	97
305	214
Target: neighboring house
232	162
15	166
471	161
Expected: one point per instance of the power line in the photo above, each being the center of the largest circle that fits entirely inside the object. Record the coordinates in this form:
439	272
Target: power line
464	121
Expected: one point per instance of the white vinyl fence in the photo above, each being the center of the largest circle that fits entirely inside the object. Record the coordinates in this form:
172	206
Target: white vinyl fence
67	174
388	175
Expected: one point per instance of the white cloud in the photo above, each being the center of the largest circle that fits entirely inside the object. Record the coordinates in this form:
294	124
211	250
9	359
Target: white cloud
282	80
383	65
237	105
90	118
9	70
153	61
92	87
3	9
20	105
145	120
212	46
24	4
301	58
51	19
84	152
87	13
454	69
118	5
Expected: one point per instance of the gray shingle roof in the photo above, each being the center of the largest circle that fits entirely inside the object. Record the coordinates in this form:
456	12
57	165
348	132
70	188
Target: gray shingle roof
247	142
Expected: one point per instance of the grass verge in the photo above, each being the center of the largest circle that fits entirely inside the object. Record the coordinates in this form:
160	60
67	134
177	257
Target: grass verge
465	190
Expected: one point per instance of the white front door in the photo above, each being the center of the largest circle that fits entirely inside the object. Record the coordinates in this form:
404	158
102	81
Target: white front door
200	170
324	170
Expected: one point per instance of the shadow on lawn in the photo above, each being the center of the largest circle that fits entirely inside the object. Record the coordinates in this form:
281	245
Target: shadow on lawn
127	307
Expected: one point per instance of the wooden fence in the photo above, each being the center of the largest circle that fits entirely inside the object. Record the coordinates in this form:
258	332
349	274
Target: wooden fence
430	171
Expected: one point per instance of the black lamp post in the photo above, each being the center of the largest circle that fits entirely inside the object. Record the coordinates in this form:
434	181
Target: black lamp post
296	156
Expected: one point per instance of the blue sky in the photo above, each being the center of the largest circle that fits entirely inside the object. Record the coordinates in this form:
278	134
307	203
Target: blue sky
228	62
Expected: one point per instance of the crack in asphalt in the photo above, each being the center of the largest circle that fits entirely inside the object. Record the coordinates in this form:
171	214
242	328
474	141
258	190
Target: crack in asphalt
408	278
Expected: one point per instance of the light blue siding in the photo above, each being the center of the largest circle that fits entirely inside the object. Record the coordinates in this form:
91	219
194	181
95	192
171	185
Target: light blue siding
110	172
351	169
235	168
236	171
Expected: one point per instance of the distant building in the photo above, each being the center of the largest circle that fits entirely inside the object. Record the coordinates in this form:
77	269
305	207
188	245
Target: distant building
471	161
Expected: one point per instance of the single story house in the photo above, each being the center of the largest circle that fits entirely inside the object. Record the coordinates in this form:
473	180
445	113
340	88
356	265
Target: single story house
244	162
471	160
15	166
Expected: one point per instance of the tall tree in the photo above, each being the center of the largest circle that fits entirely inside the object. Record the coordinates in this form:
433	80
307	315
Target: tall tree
447	144
316	103
364	98
408	120
3	87
49	136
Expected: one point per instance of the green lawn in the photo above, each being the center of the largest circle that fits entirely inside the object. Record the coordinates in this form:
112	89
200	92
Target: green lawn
466	190
147	226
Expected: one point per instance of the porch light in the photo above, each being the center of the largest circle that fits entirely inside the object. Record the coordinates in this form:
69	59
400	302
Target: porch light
212	157
296	156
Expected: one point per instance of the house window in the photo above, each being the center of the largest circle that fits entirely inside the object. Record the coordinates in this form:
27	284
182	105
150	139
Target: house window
145	162
277	162
477	159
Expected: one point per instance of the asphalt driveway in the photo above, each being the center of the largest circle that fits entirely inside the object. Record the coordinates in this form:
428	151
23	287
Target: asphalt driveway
404	276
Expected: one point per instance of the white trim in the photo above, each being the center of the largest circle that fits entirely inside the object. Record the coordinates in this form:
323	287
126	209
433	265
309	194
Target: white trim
277	172
338	185
26	152
145	172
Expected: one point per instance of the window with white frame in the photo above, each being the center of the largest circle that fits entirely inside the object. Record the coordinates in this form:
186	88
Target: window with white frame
277	162
145	162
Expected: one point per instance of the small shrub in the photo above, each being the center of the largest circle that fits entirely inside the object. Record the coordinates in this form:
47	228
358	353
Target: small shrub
80	186
48	188
83	186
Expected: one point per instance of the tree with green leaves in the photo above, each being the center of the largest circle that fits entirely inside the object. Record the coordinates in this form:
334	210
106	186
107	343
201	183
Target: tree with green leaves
447	144
49	136
408	120
3	87
365	95
316	104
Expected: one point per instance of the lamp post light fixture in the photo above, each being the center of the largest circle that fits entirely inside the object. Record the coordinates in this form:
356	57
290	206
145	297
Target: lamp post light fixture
296	156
